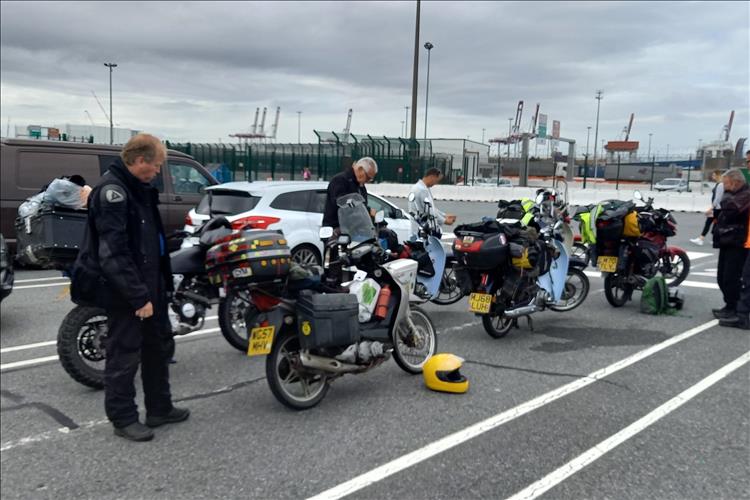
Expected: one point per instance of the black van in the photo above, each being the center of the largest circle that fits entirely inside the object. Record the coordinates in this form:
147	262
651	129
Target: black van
28	165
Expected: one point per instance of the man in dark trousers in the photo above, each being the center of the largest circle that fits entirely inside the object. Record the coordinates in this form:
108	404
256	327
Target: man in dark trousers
730	233
350	181
124	267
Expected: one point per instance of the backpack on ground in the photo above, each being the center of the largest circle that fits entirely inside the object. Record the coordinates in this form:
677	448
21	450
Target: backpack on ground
655	297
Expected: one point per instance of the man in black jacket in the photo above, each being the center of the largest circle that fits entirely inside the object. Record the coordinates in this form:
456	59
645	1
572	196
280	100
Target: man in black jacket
730	232
350	181
124	267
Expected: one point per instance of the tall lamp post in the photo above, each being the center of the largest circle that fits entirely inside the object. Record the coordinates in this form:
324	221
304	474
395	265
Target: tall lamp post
429	47
596	134
510	122
414	83
111	126
299	127
406	130
586	162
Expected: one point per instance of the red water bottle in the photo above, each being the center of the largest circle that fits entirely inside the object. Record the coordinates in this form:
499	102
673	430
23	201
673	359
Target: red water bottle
381	307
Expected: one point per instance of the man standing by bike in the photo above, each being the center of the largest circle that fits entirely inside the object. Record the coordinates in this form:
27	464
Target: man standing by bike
730	233
423	197
123	266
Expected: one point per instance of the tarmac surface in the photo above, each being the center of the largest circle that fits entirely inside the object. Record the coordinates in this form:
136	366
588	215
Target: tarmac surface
599	402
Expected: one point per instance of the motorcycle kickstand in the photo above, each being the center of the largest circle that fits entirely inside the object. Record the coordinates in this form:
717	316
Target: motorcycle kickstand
530	323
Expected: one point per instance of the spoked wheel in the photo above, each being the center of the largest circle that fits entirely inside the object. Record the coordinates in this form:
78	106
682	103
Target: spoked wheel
412	347
616	291
293	388
576	290
232	313
450	291
675	268
496	326
581	252
80	345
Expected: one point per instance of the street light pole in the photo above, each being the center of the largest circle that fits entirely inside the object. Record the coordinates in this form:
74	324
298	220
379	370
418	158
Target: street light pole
596	134
406	130
429	47
586	161
299	127
111	126
415	80
483	135
510	122
649	146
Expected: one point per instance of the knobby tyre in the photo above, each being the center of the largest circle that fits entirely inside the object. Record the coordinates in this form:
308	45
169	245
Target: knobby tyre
80	345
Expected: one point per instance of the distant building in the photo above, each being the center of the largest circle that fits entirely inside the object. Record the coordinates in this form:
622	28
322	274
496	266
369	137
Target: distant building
627	150
95	134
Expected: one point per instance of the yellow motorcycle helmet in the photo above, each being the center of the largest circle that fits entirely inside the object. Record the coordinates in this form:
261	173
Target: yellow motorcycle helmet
442	373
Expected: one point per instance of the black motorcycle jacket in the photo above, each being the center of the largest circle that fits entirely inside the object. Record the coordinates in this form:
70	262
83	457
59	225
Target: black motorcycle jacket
123	258
730	228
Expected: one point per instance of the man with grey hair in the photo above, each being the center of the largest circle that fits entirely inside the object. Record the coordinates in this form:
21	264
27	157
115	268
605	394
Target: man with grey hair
350	181
730	233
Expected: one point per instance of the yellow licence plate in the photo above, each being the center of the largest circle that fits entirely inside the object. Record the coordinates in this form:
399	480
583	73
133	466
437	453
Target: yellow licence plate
261	340
480	303
607	264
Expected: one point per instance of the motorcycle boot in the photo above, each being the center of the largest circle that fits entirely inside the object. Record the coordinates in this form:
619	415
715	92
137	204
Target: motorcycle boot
135	432
723	313
174	415
740	321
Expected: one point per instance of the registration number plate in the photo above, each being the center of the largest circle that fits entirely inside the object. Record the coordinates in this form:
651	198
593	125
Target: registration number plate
261	340
480	303
607	264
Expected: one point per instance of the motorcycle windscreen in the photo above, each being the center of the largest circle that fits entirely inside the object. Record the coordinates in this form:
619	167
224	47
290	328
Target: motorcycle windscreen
354	219
554	280
436	253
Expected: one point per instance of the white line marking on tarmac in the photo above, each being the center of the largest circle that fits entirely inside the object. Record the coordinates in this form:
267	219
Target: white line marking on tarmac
457	438
40	279
41	286
689	284
707	273
697	255
48	435
549	481
53	342
38	361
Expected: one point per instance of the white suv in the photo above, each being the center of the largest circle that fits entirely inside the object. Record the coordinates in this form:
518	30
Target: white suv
296	208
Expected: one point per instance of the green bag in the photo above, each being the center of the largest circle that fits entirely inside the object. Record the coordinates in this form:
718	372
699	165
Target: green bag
655	297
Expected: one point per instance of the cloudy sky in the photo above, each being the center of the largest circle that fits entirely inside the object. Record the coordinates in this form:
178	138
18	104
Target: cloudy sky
197	71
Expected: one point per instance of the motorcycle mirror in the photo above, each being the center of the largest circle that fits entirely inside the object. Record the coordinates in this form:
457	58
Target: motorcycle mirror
637	195
412	197
325	232
539	198
344	239
379	216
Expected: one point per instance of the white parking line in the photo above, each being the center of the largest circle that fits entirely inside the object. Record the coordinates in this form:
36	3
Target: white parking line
38	361
697	255
549	481
40	279
457	438
53	342
689	284
41	286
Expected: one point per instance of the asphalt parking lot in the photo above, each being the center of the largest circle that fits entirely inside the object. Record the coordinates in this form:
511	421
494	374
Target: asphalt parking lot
594	403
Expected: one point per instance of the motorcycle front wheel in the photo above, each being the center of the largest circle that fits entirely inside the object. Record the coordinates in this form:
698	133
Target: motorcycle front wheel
496	326
675	268
80	345
576	290
412	348
450	291
616	291
294	389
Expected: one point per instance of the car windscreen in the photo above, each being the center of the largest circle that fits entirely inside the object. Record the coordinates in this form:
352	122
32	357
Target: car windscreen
226	202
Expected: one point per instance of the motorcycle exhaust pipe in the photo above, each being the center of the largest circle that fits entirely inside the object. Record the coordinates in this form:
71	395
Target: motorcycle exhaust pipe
521	311
329	365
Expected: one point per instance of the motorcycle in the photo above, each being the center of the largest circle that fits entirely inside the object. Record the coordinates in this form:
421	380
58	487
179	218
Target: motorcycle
82	334
627	263
305	352
502	281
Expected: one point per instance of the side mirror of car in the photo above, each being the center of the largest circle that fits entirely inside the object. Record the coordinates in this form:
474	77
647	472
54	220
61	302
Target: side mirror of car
325	232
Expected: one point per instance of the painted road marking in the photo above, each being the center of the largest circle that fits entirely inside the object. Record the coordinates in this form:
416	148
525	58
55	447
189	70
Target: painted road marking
40	279
41	286
38	361
460	437
697	255
53	342
549	481
689	284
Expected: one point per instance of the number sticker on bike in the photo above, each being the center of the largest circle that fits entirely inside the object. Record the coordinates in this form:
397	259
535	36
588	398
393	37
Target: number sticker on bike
480	303
261	340
607	264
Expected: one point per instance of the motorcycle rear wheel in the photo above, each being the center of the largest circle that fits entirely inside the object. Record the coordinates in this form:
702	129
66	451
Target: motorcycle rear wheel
677	267
232	314
496	326
411	350
80	345
295	390
616	292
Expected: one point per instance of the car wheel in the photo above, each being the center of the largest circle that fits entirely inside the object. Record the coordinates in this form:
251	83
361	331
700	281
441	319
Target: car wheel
306	255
